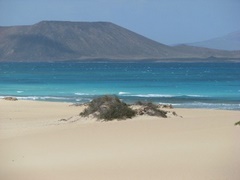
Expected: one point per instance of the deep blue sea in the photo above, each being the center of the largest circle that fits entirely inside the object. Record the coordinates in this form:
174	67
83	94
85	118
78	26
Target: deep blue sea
189	85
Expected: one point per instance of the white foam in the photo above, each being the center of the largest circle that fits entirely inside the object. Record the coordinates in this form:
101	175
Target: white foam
152	95
80	94
123	93
195	95
29	98
41	98
210	105
52	97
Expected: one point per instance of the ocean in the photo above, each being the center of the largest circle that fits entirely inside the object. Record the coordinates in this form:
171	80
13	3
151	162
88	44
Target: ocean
185	85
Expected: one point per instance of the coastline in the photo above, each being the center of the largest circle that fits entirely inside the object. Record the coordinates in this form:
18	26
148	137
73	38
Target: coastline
36	143
134	60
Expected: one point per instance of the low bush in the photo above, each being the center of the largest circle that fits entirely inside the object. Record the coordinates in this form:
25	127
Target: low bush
237	123
150	109
108	108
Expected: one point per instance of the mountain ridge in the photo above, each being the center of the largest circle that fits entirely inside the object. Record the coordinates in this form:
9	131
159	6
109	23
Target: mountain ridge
66	40
228	42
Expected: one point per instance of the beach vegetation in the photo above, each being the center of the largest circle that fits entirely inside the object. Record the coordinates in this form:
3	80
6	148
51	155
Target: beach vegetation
10	98
148	108
108	108
237	123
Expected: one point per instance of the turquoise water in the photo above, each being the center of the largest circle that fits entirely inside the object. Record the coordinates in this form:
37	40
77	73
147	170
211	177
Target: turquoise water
192	85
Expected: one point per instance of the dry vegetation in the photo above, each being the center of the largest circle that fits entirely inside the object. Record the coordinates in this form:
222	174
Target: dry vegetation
111	107
148	108
108	108
237	123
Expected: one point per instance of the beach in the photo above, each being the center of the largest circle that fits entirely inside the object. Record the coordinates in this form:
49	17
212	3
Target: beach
47	140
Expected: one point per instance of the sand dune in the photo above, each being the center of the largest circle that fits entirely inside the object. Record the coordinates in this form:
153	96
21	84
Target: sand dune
203	144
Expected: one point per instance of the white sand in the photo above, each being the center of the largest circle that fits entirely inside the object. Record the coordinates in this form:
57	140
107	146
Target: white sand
35	145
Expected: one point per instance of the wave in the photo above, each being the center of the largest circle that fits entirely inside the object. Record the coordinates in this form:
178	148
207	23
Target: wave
41	98
156	98
209	105
160	95
123	93
152	95
81	94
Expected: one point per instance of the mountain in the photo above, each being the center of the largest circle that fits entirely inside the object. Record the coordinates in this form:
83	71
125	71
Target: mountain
63	40
228	42
201	52
56	40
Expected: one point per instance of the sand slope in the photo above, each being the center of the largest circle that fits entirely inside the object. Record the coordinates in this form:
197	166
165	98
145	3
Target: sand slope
204	144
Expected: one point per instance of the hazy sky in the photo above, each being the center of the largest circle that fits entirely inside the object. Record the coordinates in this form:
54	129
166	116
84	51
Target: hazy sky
166	21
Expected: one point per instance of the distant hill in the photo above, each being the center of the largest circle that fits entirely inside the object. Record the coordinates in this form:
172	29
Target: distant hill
201	52
63	40
227	42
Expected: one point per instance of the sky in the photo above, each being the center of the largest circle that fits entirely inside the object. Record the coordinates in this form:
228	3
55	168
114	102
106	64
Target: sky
166	21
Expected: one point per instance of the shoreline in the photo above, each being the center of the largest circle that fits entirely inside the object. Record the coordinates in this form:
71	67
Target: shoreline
37	143
179	105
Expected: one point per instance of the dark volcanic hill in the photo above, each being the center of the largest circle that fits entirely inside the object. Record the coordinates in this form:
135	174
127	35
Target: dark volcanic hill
59	40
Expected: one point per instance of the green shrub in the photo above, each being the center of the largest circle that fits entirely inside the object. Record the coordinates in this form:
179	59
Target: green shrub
108	108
